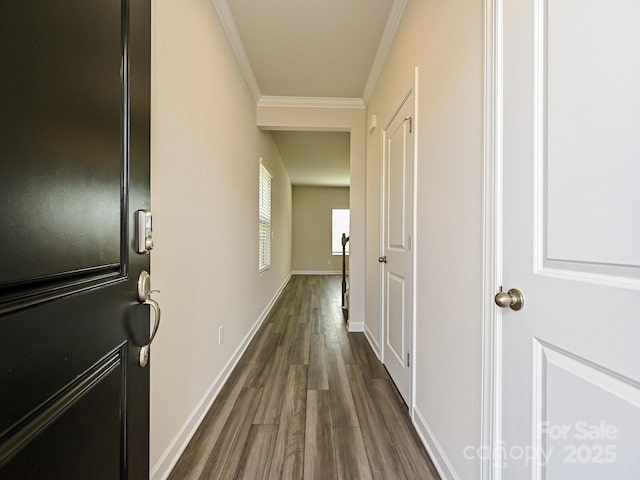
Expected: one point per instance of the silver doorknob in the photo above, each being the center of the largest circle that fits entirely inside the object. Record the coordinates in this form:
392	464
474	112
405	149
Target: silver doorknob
513	299
382	259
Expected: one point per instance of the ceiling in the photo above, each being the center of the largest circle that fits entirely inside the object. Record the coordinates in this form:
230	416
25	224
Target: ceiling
315	158
311	52
310	48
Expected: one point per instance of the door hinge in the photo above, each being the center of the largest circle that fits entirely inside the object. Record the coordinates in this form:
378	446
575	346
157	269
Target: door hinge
409	242
410	123
408	359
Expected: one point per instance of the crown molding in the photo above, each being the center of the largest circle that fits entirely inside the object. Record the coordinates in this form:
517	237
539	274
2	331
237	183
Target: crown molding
390	29
230	28
318	102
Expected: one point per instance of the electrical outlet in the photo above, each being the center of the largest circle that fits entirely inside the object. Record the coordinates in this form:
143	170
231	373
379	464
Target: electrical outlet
221	335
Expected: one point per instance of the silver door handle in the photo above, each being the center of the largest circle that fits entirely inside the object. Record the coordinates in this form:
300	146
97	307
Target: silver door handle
382	259
514	299
144	297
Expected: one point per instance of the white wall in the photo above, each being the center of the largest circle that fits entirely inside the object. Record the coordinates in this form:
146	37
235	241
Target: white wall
312	228
345	119
445	40
205	151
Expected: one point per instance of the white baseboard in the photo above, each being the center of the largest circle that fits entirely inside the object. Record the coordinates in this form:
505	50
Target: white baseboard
317	272
355	326
169	458
372	341
439	458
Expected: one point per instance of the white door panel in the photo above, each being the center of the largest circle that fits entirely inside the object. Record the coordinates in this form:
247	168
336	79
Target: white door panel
579	441
396	171
571	240
591	76
397	224
395	307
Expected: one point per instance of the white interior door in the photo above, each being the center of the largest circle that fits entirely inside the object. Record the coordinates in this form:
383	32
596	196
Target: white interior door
398	228
571	185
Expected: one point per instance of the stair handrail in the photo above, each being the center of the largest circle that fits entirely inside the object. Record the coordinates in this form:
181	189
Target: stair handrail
345	239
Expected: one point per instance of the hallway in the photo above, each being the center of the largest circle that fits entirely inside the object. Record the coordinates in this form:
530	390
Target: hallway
307	400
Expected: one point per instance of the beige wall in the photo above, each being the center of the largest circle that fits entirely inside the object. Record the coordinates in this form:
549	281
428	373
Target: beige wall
445	40
311	226
205	154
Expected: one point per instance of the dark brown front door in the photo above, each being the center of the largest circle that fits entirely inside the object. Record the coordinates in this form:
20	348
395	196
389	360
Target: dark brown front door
74	150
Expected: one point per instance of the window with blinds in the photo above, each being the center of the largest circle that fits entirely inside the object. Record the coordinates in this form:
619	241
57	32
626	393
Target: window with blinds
339	225
264	219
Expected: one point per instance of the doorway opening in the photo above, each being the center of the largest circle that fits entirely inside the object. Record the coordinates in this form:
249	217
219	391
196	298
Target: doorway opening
318	165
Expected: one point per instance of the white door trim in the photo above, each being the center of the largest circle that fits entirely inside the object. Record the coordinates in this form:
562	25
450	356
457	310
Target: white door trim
414	244
491	404
412	88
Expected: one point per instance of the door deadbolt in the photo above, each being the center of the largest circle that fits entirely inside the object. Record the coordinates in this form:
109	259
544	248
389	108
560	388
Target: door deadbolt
144	232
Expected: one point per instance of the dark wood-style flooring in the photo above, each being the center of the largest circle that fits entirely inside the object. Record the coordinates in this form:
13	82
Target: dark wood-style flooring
307	400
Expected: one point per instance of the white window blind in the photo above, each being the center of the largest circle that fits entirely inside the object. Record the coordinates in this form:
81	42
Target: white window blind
264	219
339	225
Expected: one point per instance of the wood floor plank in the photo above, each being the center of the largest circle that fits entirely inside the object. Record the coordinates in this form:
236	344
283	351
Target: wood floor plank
192	462
263	359
289	332
300	347
314	302
249	354
298	296
319	455
366	358
304	312
342	405
318	323
382	454
279	319
288	455
347	348
318	378
256	457
270	405
337	315
288	304
224	459
326	298
413	457
351	456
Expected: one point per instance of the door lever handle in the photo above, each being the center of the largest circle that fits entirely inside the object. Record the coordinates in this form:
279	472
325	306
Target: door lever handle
382	259
144	297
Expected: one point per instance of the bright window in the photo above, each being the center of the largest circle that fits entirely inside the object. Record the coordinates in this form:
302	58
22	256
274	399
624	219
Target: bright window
339	225
264	219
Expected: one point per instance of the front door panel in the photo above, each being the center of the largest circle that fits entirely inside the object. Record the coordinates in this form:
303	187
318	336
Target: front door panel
75	166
